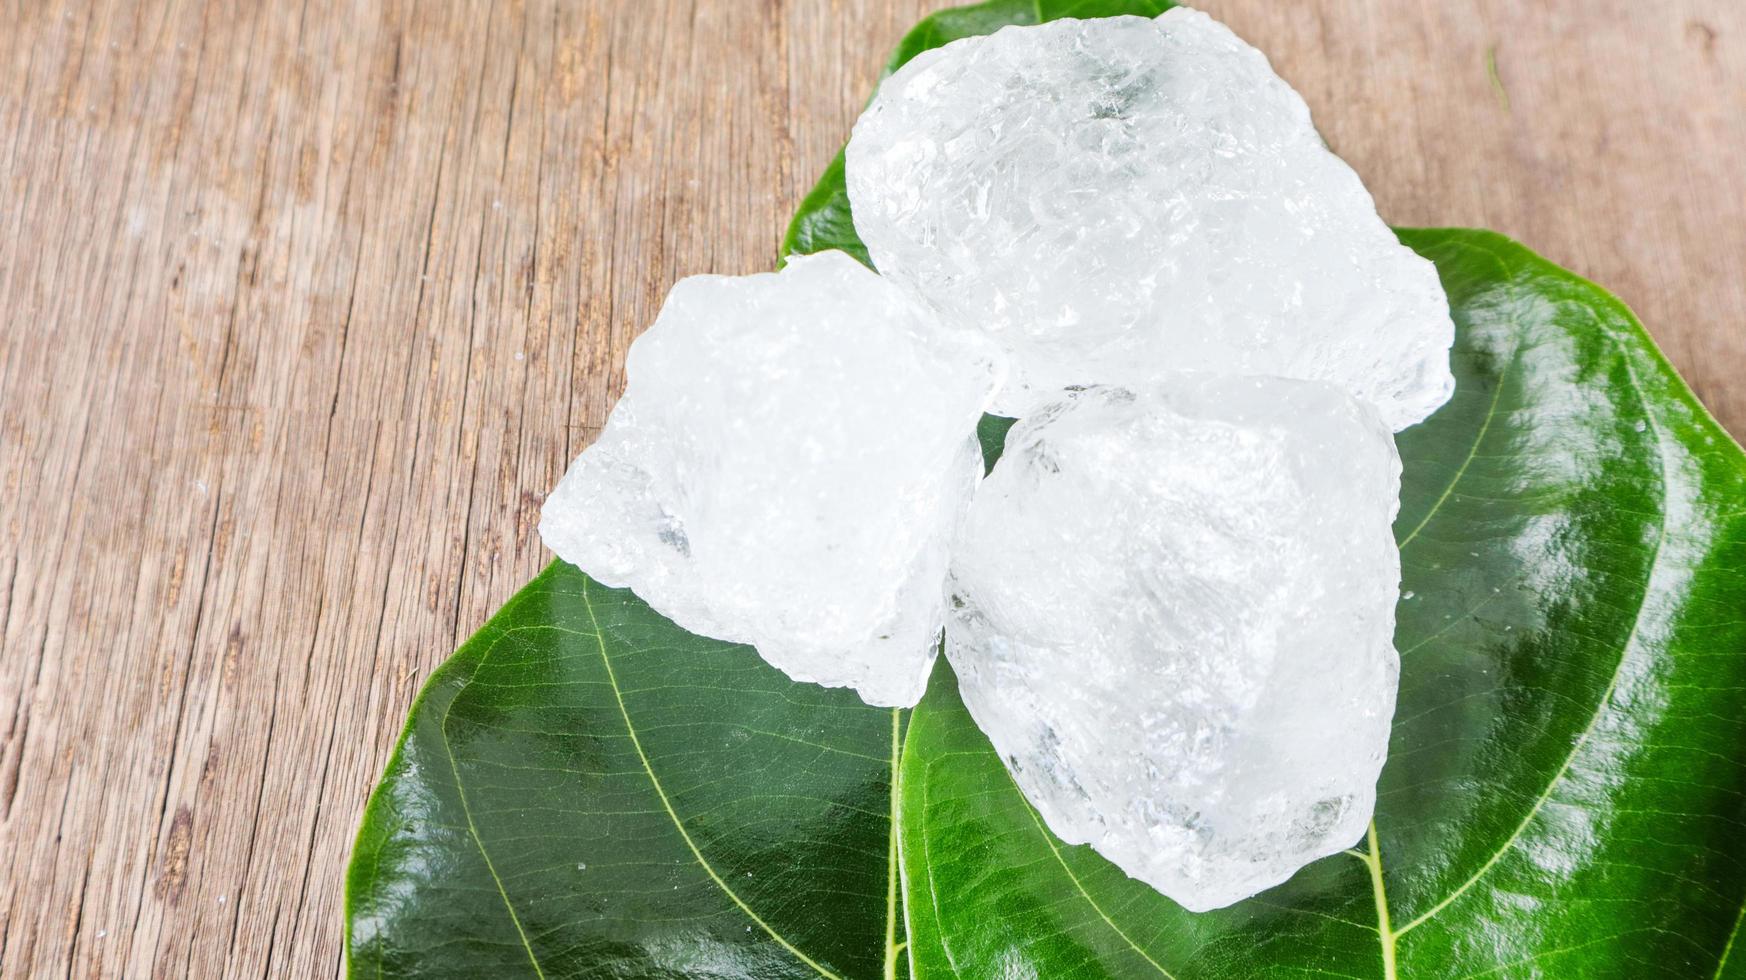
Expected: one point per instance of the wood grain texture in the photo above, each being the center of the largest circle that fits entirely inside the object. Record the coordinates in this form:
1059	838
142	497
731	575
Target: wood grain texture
304	306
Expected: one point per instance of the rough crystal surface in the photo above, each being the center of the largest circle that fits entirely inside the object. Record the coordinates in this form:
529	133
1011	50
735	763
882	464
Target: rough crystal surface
1173	615
786	468
1118	197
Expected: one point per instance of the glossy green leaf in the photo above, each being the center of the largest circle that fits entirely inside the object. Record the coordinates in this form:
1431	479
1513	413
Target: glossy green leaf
1566	789
586	790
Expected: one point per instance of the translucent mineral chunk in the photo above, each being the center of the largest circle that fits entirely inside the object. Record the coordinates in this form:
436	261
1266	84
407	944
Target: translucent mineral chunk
1118	197
1173	615
786	468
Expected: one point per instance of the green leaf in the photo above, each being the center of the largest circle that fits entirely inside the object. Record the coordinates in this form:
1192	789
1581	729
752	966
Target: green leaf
584	789
1565	793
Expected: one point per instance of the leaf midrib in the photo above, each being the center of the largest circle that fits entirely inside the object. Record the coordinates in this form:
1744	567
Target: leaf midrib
1077	885
667	804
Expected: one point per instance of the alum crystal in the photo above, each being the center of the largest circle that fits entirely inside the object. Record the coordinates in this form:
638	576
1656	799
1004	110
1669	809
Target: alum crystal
786	469
1173	615
1115	198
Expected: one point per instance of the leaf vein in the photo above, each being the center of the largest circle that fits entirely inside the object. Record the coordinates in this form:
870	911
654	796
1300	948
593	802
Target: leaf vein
1080	887
1594	719
1473	453
660	791
467	809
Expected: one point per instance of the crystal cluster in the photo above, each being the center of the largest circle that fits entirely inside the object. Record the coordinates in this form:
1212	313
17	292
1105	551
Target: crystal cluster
1173	612
1116	198
786	468
1171	605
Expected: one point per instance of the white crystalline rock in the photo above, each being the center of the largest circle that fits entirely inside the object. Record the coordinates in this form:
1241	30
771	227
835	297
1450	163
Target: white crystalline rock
1173	615
786	468
1118	197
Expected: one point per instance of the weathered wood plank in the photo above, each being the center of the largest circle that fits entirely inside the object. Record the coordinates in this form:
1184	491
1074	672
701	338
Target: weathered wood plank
304	306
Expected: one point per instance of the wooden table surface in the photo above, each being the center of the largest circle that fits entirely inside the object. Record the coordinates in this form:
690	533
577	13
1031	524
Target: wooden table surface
304	306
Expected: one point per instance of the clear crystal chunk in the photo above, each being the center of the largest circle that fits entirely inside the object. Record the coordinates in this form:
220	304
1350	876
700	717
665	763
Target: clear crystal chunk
786	468
1115	198
1173	615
